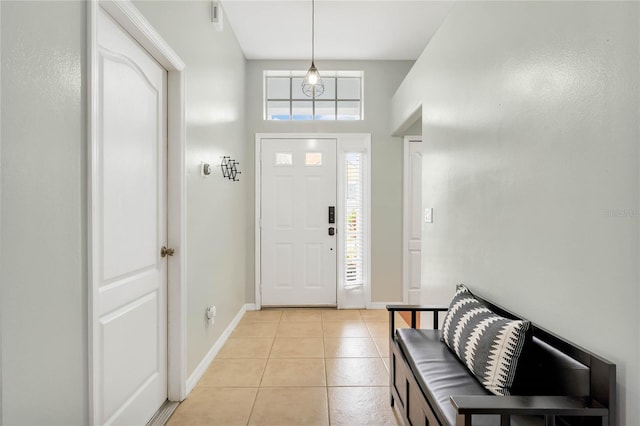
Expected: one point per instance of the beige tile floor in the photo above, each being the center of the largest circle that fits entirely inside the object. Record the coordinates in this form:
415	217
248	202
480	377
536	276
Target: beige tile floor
297	367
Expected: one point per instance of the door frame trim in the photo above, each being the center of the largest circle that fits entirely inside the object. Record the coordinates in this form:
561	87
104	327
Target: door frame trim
406	215
342	140
130	18
1	292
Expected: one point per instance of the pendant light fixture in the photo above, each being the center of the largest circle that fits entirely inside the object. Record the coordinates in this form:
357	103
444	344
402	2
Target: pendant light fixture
312	84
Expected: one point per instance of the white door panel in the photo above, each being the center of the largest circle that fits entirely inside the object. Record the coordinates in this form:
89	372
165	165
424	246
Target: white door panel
132	226
283	266
284	202
414	232
140	341
298	255
415	260
415	200
130	156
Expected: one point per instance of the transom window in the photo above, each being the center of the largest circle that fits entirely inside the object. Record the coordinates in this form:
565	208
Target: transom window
341	100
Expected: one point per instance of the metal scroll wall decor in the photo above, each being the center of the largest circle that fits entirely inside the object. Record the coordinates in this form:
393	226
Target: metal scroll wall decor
230	169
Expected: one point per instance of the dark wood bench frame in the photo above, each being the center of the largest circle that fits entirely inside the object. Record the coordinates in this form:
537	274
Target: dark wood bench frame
415	406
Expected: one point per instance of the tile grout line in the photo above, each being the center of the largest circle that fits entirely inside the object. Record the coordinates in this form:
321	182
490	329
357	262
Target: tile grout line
326	374
324	356
265	369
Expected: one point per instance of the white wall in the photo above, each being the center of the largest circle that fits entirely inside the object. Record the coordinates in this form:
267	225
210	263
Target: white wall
381	79
530	125
43	265
216	235
0	220
43	176
415	129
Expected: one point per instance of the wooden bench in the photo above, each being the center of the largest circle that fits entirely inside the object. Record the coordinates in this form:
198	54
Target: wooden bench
573	386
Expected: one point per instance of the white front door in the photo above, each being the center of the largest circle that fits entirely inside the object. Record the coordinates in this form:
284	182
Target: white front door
131	226
298	253
413	220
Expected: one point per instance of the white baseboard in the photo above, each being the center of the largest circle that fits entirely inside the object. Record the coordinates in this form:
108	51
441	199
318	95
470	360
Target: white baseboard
383	305
206	361
250	307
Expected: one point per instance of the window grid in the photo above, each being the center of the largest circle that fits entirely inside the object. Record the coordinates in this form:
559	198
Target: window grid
335	99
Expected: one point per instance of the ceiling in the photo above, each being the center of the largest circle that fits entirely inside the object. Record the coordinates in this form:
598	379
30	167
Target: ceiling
345	29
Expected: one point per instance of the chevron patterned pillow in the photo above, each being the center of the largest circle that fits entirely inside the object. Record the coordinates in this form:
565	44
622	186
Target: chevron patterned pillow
487	343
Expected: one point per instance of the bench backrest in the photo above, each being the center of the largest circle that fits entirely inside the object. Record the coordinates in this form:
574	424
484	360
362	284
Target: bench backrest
555	366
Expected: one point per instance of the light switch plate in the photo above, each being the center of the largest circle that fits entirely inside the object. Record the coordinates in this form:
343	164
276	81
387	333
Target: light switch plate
217	17
428	215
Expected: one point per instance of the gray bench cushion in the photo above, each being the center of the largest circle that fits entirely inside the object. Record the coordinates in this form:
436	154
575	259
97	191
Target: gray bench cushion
440	374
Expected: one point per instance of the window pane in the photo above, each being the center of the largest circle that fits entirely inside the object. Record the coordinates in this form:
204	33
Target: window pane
296	89
284	159
325	110
348	88
277	88
278	110
329	88
348	110
313	159
353	161
354	242
340	100
302	110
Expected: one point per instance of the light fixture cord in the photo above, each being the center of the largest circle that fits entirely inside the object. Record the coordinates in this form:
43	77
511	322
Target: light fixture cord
313	31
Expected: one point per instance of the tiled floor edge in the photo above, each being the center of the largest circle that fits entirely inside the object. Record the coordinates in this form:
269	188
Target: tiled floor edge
208	358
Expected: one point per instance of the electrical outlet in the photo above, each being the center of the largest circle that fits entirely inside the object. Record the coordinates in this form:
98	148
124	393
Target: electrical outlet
211	314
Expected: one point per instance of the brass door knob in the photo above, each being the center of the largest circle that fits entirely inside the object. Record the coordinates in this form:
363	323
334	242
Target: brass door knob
164	251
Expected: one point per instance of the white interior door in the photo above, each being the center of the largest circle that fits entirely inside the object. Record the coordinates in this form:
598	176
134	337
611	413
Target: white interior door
130	227
298	255
413	220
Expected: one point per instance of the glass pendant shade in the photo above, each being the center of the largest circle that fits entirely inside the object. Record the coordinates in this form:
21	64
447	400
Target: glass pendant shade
312	84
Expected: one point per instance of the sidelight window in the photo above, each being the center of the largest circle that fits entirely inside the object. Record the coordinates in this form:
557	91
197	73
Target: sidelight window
354	235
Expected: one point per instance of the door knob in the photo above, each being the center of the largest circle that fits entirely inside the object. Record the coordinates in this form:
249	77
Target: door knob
164	251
